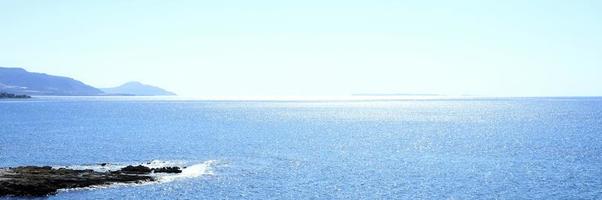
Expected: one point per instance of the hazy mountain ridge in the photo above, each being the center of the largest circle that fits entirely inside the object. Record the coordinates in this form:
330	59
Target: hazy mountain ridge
21	81
137	89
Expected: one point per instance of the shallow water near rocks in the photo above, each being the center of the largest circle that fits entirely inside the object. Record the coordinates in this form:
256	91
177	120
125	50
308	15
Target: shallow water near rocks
504	148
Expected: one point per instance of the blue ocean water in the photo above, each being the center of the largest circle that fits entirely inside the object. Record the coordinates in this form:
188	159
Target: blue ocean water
497	148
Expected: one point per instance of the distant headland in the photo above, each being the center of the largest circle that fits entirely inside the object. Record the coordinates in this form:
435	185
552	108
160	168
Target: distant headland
20	82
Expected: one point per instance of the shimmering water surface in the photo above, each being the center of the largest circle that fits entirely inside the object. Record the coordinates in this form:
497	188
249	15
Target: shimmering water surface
508	148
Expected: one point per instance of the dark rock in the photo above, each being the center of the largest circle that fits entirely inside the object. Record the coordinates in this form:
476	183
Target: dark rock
4	95
167	170
136	169
39	181
103	164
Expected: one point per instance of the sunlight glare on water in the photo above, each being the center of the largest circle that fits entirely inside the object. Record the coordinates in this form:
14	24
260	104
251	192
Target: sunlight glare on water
495	148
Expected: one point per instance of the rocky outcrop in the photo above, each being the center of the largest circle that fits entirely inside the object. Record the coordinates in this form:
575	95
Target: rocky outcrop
135	169
4	95
40	181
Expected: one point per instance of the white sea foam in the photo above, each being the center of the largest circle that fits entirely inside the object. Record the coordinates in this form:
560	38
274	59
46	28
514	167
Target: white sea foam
192	171
95	167
117	166
164	163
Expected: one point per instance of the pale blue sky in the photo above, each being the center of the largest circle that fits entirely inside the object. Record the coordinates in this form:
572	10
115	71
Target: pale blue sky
313	47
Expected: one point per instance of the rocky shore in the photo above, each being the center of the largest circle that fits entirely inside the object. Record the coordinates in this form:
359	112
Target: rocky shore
40	181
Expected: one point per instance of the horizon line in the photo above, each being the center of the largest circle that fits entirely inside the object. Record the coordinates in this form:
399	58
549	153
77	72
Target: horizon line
309	98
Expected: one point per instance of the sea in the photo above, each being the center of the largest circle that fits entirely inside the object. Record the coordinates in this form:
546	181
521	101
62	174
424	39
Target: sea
426	148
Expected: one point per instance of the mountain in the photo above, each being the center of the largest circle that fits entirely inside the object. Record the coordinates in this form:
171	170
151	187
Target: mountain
20	81
137	89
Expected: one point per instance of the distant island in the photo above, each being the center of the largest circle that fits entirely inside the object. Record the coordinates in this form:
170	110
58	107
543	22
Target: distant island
20	81
394	94
137	89
4	95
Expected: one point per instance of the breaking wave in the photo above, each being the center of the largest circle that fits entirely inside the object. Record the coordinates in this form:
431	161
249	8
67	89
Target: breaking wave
193	171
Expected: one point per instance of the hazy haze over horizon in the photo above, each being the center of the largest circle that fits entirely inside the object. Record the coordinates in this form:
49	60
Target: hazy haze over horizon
239	48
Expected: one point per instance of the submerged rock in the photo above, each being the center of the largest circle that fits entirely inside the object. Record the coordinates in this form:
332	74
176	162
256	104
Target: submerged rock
40	181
